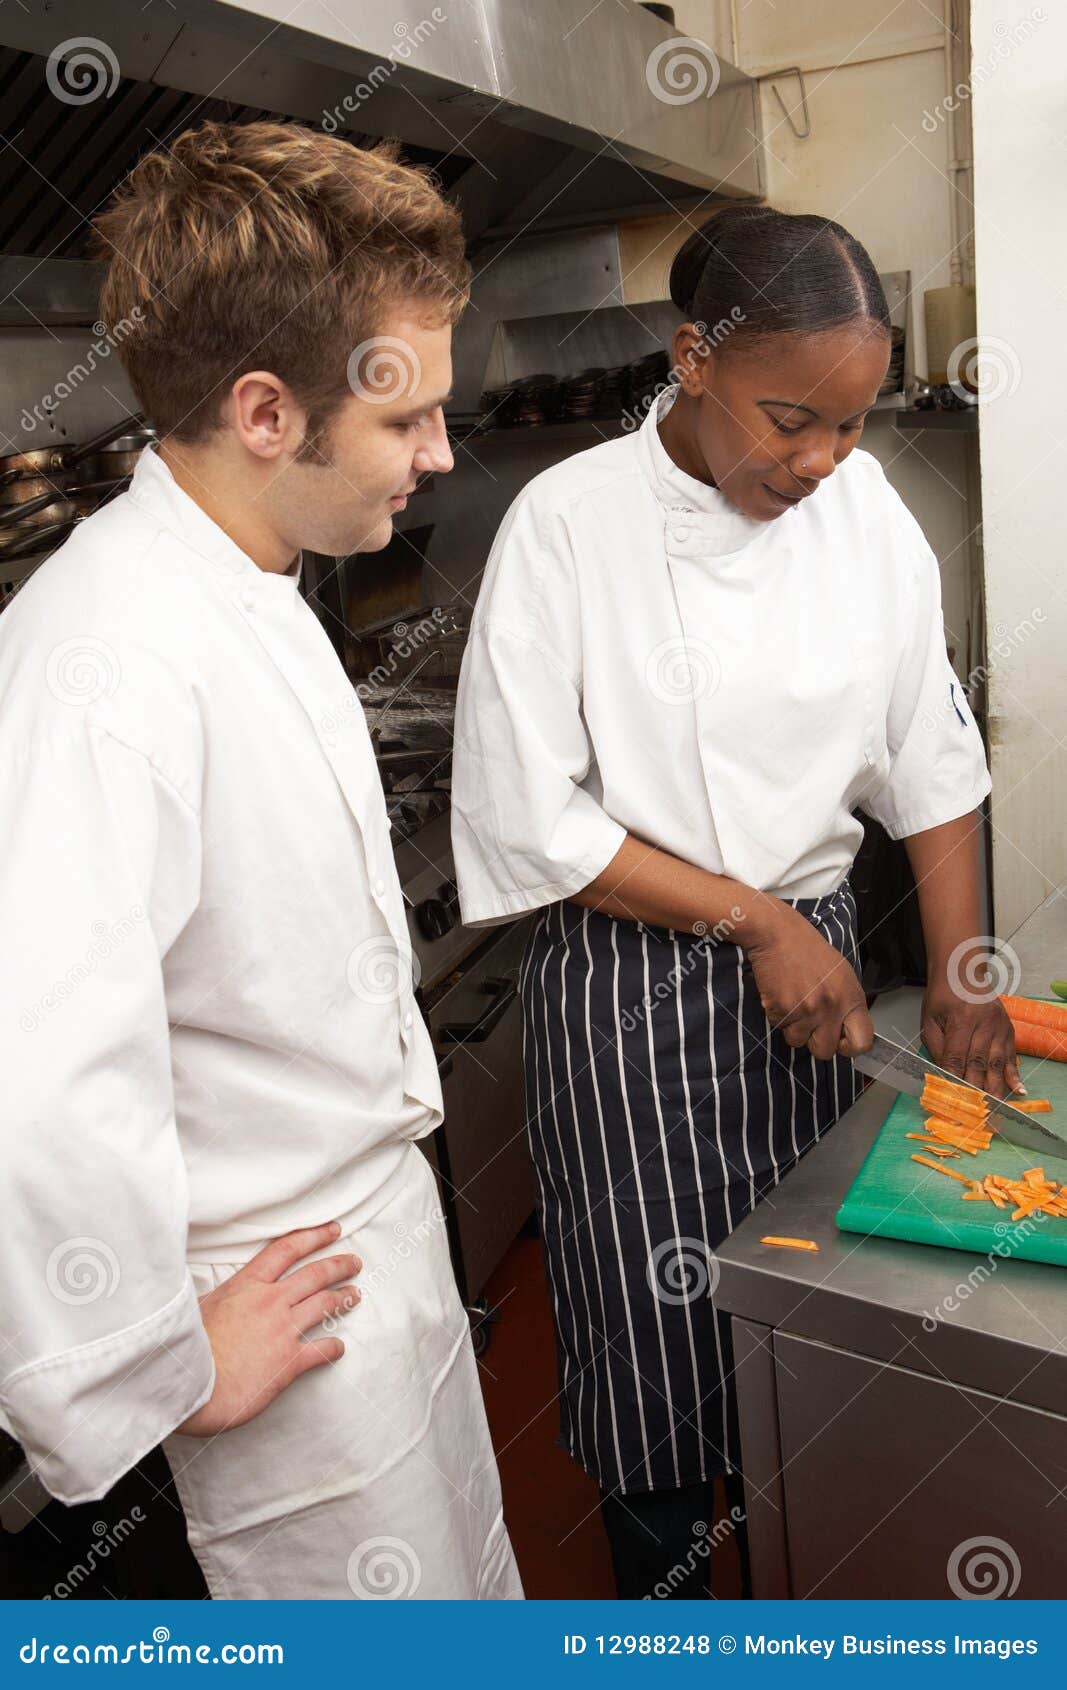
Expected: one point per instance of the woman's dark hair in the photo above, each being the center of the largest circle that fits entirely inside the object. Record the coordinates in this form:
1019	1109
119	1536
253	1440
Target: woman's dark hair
775	273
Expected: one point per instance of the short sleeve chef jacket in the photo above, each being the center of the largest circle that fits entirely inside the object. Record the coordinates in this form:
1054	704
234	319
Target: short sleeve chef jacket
645	659
207	1028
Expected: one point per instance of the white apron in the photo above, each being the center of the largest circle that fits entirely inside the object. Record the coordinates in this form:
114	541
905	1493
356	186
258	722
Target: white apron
373	1478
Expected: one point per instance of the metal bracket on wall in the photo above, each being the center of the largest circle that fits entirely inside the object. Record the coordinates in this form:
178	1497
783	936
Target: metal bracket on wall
792	70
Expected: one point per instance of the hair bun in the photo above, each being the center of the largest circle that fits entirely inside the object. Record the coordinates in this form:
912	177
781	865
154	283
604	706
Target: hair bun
690	259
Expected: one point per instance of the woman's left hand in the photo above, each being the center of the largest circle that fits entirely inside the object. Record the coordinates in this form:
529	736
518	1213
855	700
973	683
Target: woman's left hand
974	1040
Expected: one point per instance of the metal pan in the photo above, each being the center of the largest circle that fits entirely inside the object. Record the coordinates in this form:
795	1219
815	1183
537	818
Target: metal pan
15	543
47	459
58	504
120	457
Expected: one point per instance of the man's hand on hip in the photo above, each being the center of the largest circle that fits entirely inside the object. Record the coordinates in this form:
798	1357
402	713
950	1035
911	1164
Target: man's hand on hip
255	1323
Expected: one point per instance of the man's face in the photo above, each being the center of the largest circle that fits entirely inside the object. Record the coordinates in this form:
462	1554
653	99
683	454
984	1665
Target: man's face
381	440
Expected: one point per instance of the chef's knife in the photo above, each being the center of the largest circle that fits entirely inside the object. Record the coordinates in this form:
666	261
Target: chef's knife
907	1071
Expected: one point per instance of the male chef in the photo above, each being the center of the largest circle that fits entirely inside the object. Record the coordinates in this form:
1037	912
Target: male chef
214	1070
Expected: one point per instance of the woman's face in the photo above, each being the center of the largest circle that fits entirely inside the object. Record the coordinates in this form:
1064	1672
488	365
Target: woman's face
767	424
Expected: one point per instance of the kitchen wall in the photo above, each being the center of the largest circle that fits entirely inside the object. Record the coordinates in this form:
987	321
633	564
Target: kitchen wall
872	163
1021	239
878	159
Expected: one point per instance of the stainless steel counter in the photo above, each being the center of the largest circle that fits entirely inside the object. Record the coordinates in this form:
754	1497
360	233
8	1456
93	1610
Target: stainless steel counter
897	1399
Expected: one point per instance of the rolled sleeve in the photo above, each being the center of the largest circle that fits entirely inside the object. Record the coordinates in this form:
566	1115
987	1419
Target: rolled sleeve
103	1348
937	762
526	832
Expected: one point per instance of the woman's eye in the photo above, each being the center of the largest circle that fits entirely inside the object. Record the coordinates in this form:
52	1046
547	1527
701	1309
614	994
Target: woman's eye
784	428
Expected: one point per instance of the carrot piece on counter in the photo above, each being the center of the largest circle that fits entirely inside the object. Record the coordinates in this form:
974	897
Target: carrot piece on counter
791	1243
938	1168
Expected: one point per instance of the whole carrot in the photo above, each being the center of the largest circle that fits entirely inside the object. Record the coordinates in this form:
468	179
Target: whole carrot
1034	1013
1032	1040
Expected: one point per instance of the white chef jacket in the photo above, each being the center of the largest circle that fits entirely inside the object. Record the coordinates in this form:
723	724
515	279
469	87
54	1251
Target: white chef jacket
207	1028
645	659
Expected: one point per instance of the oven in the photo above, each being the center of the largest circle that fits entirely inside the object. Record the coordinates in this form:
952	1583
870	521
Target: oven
468	987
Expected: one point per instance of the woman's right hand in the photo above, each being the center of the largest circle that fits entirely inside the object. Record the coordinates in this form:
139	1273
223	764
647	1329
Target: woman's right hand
256	1320
807	988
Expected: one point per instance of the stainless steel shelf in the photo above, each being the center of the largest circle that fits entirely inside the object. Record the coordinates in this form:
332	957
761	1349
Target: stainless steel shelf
958	422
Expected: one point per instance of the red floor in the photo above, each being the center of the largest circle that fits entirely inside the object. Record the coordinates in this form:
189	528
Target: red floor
550	1505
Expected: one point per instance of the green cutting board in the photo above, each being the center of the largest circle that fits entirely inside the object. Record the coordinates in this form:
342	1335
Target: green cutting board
894	1197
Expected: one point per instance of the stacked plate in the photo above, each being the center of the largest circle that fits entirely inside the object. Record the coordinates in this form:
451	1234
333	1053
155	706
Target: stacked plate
646	375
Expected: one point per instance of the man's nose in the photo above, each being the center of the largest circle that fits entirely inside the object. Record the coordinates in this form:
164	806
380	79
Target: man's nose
434	453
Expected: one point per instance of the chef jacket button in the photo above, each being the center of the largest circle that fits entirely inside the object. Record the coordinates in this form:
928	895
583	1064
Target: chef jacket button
379	888
681	532
408	1019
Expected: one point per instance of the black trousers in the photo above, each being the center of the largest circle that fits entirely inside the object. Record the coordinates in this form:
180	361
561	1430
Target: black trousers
661	1540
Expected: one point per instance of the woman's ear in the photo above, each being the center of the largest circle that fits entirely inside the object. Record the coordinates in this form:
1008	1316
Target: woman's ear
689	354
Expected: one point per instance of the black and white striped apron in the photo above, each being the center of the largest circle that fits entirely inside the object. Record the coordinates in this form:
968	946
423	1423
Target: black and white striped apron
661	1108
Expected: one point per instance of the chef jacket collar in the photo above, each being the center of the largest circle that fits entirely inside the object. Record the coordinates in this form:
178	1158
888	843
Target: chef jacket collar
721	527
154	488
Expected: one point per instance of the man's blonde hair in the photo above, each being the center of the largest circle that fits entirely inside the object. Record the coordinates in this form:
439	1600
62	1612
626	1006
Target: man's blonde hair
266	246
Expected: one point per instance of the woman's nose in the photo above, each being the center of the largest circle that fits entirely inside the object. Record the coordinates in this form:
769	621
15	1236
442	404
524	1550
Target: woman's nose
814	463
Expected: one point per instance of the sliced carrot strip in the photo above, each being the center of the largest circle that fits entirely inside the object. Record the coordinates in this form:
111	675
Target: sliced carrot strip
938	1168
791	1243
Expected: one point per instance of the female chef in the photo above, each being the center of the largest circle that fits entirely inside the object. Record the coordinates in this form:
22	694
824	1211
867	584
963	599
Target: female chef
698	649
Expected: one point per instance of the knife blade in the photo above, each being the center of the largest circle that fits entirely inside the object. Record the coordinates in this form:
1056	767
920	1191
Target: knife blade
906	1071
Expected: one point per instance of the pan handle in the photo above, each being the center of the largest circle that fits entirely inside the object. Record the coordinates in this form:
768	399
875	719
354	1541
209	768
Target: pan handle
128	425
41	540
13	515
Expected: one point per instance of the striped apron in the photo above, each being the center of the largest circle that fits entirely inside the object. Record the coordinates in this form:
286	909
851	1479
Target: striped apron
661	1109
